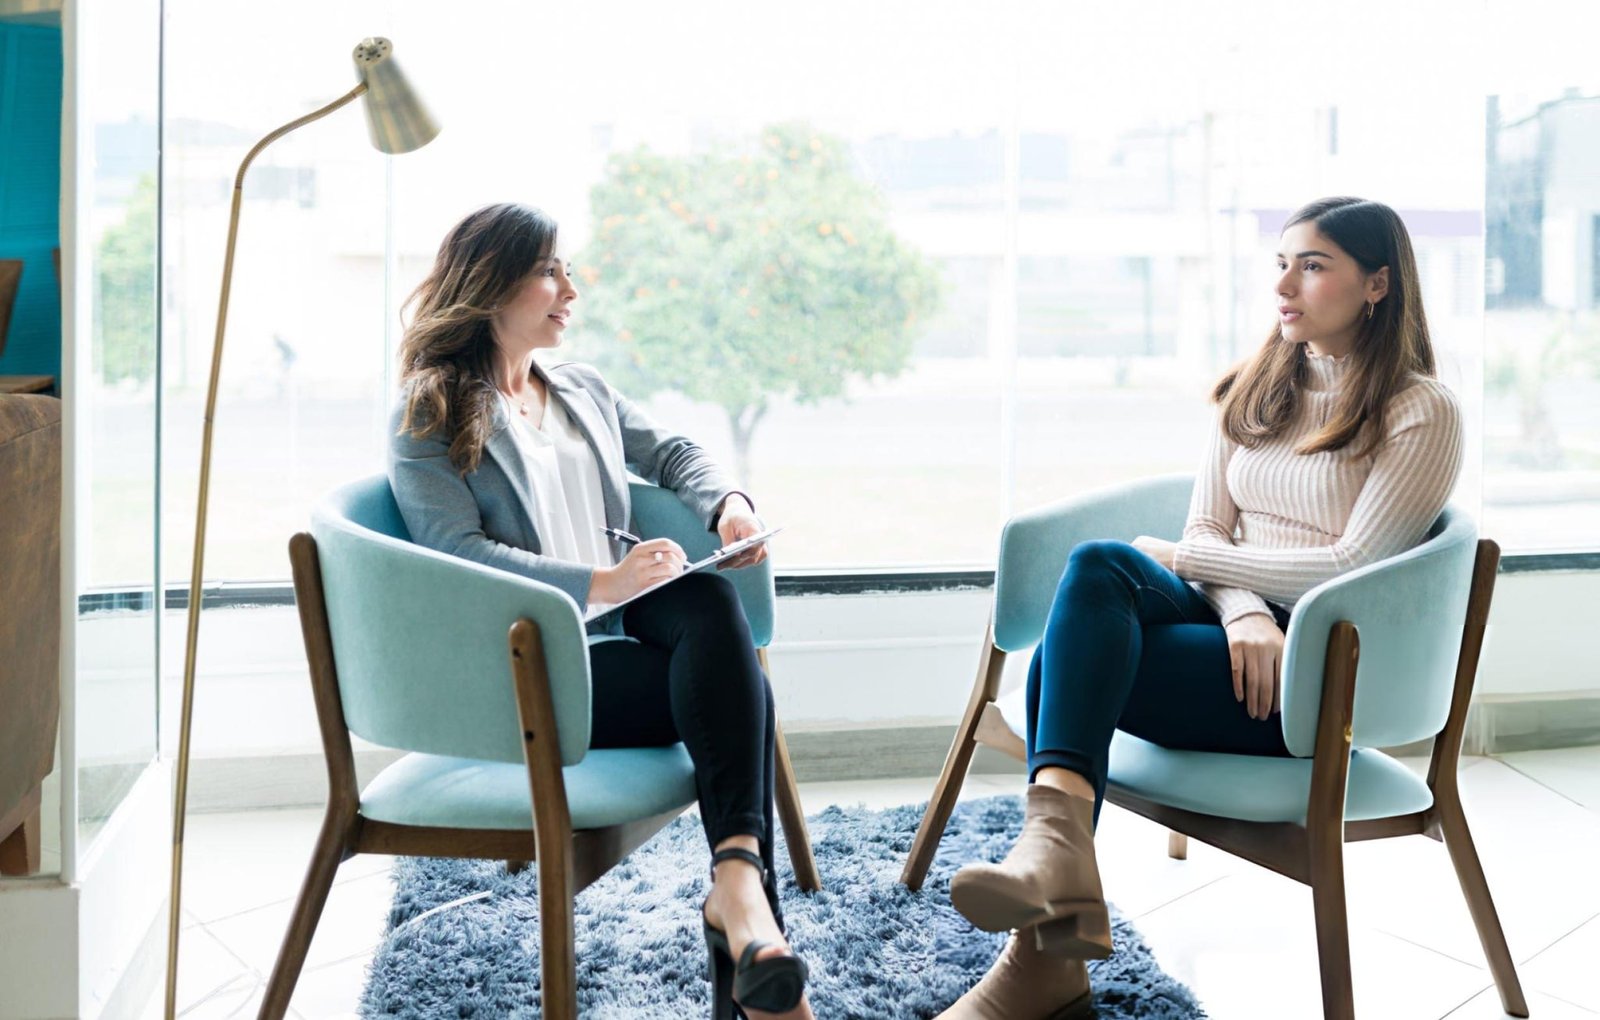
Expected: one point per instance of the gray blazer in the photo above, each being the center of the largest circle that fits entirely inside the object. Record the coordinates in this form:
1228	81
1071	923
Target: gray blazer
485	516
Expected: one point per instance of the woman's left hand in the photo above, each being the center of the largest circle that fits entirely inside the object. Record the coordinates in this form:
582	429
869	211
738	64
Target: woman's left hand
738	521
1158	549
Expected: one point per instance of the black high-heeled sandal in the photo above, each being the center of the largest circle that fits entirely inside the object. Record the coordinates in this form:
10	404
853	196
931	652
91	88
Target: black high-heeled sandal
774	985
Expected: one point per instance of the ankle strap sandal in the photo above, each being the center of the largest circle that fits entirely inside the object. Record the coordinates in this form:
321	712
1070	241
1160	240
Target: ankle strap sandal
774	985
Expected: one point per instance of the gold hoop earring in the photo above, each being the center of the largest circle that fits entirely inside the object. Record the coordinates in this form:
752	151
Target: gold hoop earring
1372	306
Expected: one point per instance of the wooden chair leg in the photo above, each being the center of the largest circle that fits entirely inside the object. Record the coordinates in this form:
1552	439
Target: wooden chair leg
1330	774
558	965
793	818
331	850
1469	872
956	764
1177	846
19	850
790	814
552	823
1333	932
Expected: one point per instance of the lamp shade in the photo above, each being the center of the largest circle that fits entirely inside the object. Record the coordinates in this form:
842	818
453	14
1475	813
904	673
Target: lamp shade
397	120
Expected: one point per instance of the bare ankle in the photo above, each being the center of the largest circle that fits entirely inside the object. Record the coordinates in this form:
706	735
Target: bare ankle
738	899
738	873
1065	780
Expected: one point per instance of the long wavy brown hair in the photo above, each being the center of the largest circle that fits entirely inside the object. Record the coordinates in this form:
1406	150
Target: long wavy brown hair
1259	398
447	350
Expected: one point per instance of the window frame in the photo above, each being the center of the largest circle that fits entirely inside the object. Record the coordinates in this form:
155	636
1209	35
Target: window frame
790	584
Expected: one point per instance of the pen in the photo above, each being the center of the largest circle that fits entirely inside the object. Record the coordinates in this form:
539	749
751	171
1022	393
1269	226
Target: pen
618	535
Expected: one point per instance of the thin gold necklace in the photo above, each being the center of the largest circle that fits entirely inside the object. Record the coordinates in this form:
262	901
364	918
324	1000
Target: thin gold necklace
522	405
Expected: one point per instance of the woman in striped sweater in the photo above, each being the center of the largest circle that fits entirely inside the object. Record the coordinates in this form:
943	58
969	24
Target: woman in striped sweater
1335	446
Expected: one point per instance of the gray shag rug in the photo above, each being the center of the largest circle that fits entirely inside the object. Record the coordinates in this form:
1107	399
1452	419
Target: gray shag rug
463	937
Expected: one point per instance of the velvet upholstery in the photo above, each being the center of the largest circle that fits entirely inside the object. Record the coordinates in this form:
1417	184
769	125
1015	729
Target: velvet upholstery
1260	789
1250	788
609	787
658	513
1383	654
1034	546
1407	609
404	616
420	638
432	654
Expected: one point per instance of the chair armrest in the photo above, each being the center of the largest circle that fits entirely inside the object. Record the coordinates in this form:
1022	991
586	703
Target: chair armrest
421	645
1035	545
659	513
1408	611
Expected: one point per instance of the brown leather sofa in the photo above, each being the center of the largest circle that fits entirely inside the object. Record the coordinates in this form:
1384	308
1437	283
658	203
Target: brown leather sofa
30	618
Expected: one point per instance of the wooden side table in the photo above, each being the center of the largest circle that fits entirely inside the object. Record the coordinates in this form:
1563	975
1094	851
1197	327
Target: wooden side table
27	383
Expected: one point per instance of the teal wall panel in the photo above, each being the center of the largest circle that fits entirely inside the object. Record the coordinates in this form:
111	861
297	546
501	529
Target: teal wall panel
30	188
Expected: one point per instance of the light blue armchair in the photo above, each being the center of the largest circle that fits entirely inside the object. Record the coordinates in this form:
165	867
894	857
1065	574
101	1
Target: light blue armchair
1381	656
408	649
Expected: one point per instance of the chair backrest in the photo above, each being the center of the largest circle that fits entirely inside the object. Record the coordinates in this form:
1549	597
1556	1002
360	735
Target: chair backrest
1409	611
658	513
10	282
420	638
1034	546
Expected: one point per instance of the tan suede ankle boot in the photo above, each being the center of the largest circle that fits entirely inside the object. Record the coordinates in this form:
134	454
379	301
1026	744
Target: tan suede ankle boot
1049	880
1027	984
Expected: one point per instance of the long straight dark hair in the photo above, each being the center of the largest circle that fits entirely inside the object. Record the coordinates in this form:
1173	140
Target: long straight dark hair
447	351
1260	397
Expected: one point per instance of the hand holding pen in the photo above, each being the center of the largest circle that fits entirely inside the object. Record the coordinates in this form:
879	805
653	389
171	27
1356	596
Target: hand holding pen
748	557
646	563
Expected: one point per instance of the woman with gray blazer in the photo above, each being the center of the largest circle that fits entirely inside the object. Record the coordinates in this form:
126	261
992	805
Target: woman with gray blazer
498	459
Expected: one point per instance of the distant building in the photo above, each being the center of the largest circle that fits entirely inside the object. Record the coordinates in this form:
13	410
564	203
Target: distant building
1543	204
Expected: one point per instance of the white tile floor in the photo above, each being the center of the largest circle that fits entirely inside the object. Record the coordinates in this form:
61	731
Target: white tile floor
1241	937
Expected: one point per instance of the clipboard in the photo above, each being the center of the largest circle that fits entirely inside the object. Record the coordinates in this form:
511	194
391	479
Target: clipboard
727	552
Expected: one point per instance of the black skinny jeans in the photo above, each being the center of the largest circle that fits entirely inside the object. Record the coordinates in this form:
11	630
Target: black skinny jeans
1130	645
691	674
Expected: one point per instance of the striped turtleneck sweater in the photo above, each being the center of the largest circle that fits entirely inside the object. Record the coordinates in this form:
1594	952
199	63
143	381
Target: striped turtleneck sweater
1266	522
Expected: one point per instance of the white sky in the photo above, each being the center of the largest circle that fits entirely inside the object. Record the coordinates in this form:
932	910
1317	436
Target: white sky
911	66
523	87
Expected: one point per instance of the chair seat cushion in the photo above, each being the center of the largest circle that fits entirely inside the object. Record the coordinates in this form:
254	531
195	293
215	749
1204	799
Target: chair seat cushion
1259	789
1247	787
608	787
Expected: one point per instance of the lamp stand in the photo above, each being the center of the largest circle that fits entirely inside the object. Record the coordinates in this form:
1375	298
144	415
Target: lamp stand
182	791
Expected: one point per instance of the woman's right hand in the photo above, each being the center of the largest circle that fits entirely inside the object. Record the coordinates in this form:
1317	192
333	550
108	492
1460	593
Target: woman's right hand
646	563
1255	646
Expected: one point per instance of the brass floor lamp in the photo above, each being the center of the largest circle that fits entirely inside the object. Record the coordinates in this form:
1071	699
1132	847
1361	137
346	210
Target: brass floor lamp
397	122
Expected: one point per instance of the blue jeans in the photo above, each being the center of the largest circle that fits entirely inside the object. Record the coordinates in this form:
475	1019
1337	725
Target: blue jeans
1130	645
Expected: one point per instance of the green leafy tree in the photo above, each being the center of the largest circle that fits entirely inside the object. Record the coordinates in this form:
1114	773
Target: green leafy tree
125	292
1527	360
737	276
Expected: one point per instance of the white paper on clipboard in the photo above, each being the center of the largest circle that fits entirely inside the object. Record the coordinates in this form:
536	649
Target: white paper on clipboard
727	552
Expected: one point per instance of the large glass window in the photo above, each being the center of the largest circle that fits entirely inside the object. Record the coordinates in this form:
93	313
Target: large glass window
113	400
303	386
1542	351
907	269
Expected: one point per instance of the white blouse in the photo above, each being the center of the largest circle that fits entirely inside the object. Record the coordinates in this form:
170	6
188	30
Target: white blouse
568	508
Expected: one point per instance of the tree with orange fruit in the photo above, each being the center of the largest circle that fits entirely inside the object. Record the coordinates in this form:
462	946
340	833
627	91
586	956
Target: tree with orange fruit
737	275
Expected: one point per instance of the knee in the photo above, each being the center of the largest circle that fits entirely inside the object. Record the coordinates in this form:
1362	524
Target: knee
1100	555
712	601
1097	563
704	588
